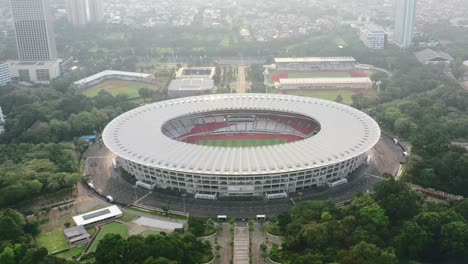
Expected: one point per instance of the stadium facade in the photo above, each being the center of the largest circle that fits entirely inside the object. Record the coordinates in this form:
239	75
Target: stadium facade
311	84
323	142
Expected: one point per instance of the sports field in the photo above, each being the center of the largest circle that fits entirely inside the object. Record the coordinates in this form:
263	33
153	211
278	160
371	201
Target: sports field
241	143
116	87
327	95
53	241
112	228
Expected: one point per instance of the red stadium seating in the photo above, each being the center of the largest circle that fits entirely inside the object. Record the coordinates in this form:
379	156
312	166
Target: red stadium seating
234	136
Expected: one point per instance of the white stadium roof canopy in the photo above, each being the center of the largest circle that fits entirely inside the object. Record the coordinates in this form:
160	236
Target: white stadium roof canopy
99	75
316	59
137	136
349	80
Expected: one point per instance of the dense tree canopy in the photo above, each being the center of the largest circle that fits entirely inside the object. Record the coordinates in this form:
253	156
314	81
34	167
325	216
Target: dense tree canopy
371	229
157	249
28	170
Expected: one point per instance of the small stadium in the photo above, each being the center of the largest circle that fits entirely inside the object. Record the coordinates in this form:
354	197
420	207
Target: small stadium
321	77
228	145
116	82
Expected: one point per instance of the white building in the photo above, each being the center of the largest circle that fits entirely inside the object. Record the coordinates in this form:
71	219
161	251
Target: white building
34	30
373	36
405	16
358	83
5	76
35	71
109	75
98	216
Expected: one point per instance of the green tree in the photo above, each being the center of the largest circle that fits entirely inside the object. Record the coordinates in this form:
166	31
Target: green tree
111	249
412	241
454	239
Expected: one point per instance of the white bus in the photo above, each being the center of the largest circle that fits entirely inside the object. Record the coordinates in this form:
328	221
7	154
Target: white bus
337	183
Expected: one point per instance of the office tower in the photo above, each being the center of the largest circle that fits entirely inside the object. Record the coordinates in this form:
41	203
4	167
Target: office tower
77	12
96	12
82	12
34	30
404	22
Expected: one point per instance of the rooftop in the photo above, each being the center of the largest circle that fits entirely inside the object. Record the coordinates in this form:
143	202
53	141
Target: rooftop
98	215
326	80
316	59
110	73
426	55
374	28
191	84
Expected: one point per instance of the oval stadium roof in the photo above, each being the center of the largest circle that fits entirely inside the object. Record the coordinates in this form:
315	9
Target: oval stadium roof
137	136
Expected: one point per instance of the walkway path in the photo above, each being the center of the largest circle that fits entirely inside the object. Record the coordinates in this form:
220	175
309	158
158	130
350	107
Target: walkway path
241	245
241	85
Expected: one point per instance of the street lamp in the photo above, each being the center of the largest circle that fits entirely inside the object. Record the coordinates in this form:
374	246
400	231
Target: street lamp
183	198
300	195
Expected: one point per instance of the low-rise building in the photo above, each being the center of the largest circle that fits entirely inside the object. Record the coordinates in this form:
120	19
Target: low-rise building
429	56
373	36
196	73
97	216
35	71
190	87
76	235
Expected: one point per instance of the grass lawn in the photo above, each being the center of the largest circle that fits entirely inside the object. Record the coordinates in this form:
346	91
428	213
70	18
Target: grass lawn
318	74
112	228
241	143
173	216
53	241
73	252
116	87
128	217
327	95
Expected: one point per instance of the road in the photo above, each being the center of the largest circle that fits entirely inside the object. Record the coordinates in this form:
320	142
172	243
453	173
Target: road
109	181
241	85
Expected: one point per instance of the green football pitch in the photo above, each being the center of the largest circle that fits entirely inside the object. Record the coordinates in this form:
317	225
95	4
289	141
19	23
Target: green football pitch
326	95
295	75
241	143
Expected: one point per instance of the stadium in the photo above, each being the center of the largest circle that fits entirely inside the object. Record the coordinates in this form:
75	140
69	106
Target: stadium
241	144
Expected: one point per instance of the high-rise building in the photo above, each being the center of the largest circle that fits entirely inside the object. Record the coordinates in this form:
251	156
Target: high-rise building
96	12
77	12
5	76
82	12
34	30
404	22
